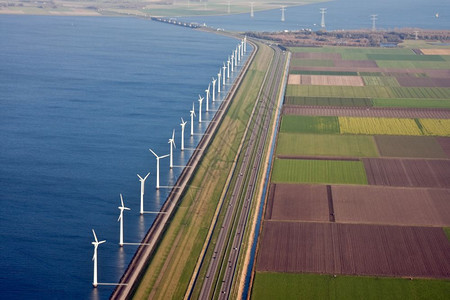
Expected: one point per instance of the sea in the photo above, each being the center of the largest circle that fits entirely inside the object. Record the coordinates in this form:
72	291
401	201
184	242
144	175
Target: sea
339	15
83	99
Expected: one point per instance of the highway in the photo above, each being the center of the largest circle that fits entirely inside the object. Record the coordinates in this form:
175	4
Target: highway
221	270
129	281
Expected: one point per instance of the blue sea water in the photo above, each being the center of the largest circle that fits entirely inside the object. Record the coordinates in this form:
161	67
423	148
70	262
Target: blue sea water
340	14
82	100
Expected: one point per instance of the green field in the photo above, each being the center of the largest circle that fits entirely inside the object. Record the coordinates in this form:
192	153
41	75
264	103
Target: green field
335	73
311	63
318	171
412	103
314	286
309	124
297	144
380	80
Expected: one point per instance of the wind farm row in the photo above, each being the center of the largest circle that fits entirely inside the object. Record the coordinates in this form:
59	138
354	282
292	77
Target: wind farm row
223	78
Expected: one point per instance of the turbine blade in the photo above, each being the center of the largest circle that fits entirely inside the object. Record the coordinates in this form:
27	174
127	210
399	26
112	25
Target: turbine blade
126	208
101	242
182	121
146	176
121	200
95	236
173	134
93	256
120	217
153	153
139	177
164	156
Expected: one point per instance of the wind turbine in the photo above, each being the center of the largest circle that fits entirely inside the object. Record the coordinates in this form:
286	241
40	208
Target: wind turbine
142	180
218	81
172	145
214	90
228	67
223	77
239	52
183	123
200	100
94	258
192	119
207	97
122	208
235	57
232	61
157	166
242	47
245	44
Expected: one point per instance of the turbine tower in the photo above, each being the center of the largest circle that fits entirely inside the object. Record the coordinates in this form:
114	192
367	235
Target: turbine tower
245	44
224	74
218	81
200	100
192	119
142	180
239	52
232	61
157	166
172	145
283	8
214	89
207	97
251	10
373	18
121	208
235	57
94	258
322	22
242	48
228	67
182	124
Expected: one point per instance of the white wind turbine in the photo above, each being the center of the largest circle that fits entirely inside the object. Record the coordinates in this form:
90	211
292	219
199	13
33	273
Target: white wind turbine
214	89
239	52
157	166
223	77
200	100
122	208
172	145
207	97
218	80
182	124
235	57
228	67
142	180
94	258
232	61
192	119
245	44
242	47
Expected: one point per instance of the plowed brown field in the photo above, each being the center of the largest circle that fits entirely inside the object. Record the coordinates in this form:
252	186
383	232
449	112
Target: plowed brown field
387	112
410	146
445	144
354	249
408	172
356	63
423	82
394	206
297	202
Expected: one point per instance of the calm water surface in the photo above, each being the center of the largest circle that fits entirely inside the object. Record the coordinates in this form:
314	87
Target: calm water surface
82	99
341	14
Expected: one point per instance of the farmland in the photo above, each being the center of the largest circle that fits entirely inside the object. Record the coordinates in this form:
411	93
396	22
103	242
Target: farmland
280	286
360	178
318	171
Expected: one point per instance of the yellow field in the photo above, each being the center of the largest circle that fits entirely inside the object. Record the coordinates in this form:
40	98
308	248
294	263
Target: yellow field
381	126
435	51
440	127
294	79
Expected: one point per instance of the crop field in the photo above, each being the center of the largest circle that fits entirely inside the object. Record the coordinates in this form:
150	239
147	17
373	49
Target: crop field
405	57
423	82
327	101
308	124
412	103
368	92
408	64
311	63
331	80
374	112
410	146
316	55
445	144
310	72
281	286
380	80
297	202
393	206
439	127
354	249
318	171
435	51
372	126
296	144
408	172
355	63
